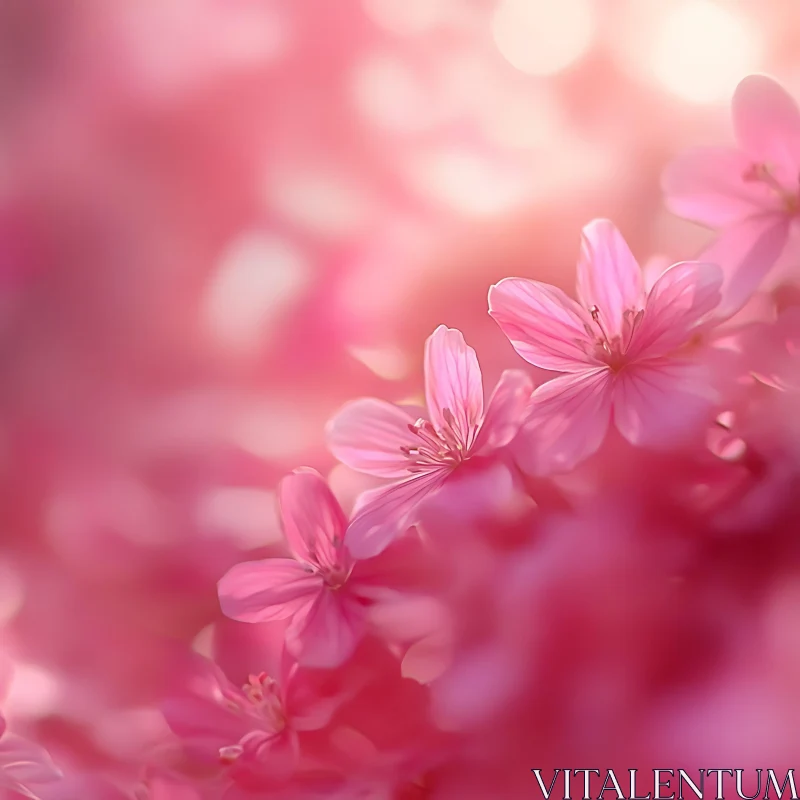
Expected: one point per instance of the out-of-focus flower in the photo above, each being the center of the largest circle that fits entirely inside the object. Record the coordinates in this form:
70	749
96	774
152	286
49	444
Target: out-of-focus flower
628	354
25	767
750	194
393	441
252	732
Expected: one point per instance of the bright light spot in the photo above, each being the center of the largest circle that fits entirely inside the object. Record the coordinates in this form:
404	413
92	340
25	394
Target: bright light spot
258	278
523	118
250	35
407	17
468	182
34	691
543	37
322	202
703	50
390	363
248	516
203	643
390	94
278	428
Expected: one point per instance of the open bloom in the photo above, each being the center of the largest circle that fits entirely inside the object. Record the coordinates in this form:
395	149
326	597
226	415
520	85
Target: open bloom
251	733
313	588
421	452
749	193
628	354
323	590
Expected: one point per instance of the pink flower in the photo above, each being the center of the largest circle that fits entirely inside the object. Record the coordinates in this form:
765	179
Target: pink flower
323	590
25	767
420	453
750	193
252	732
314	588
627	352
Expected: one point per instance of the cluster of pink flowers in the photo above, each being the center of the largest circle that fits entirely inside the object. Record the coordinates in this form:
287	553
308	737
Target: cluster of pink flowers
530	576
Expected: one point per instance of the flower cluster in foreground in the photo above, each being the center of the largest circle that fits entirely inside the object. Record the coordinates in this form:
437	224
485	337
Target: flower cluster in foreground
436	619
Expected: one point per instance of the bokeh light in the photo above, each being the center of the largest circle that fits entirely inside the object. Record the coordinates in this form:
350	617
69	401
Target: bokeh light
541	37
704	48
222	221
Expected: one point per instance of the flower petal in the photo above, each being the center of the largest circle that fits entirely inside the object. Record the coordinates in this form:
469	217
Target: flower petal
453	383
326	634
547	328
766	120
609	277
567	422
368	434
382	514
746	253
313	520
271	589
707	185
679	301
662	401
504	413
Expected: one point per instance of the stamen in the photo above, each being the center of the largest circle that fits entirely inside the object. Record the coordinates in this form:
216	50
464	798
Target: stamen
437	447
595	312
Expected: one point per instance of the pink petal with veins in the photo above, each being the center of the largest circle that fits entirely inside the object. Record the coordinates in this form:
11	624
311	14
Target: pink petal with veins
609	277
453	384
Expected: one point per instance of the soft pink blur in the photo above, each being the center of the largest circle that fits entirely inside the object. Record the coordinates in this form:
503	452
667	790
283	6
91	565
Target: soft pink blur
220	220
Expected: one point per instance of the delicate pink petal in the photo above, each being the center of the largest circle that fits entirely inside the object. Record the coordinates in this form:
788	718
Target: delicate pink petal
547	328
505	411
707	185
766	121
453	383
326	634
567	422
382	514
679	301
259	591
746	253
313	521
609	277
368	434
662	401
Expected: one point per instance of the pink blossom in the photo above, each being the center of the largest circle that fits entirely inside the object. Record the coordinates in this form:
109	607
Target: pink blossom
750	194
313	588
421	452
628	354
323	590
250	732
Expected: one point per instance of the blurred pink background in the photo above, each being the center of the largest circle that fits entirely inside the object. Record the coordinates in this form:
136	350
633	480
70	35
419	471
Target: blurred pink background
220	219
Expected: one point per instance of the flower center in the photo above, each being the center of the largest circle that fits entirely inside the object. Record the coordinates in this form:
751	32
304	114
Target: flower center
264	696
612	349
330	564
437	447
762	173
262	701
335	577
